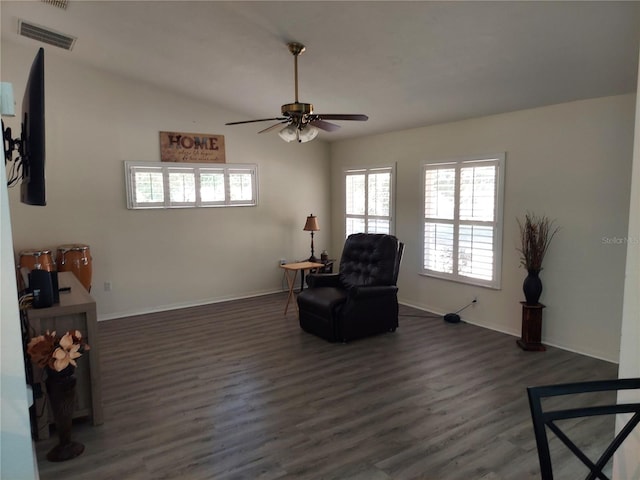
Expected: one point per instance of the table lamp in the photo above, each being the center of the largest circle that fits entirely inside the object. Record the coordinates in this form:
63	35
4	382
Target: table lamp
311	226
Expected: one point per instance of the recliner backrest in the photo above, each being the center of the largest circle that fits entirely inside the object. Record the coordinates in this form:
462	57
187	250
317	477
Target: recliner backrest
396	267
369	259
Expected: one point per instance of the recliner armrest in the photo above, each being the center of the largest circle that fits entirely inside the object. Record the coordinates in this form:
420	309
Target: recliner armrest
315	280
373	291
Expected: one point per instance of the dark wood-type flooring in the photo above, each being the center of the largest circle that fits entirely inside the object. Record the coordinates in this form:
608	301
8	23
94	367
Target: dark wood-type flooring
237	390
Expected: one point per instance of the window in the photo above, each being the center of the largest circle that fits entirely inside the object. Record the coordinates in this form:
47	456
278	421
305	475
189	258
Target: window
170	185
463	219
369	200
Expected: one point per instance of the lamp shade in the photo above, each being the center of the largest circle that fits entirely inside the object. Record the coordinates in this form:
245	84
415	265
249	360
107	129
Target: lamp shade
298	133
7	102
307	134
289	133
312	224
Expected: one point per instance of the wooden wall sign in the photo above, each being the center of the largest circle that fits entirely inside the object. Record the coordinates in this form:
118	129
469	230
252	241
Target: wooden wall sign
191	147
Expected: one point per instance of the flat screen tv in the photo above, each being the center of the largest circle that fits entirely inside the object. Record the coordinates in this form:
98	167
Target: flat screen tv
32	145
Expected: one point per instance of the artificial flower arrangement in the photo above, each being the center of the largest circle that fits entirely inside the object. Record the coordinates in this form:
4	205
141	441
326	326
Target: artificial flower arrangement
54	352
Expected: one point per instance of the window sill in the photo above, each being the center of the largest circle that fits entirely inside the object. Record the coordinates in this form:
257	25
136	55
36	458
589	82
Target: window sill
462	280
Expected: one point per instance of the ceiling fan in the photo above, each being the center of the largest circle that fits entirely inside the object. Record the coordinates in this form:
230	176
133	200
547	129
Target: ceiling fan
302	123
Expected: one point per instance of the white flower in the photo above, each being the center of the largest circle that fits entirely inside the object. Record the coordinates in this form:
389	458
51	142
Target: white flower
66	353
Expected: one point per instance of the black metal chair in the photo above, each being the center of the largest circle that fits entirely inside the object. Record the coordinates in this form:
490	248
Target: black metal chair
543	418
361	299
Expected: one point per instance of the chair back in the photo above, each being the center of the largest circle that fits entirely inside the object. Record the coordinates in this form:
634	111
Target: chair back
396	271
546	417
369	259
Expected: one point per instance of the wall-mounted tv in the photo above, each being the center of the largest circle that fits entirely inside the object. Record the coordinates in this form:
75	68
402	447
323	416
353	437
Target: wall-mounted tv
32	145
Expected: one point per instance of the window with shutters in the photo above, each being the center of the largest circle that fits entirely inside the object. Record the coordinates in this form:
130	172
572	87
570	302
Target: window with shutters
176	185
369	200
462	234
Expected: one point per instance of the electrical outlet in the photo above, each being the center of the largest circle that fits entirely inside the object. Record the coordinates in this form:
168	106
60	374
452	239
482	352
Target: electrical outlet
107	286
282	261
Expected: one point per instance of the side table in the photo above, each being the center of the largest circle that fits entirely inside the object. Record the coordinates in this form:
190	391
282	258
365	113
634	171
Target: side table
291	277
327	266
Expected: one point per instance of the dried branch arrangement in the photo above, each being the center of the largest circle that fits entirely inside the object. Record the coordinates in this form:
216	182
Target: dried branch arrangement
536	234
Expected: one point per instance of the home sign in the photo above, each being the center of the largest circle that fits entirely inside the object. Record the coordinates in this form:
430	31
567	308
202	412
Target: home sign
191	147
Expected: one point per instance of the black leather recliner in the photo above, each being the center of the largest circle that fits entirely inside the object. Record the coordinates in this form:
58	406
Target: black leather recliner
361	299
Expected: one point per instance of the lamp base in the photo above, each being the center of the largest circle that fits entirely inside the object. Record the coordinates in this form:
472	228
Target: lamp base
312	259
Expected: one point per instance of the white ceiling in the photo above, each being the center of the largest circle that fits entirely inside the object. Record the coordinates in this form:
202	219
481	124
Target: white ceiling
405	64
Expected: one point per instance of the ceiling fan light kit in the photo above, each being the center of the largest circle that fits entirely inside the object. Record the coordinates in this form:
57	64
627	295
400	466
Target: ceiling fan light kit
301	124
292	133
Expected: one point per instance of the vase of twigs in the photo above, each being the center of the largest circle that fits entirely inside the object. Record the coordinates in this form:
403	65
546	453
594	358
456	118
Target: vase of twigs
536	233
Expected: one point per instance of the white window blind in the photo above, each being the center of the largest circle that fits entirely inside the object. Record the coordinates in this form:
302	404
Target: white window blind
463	219
182	187
148	185
168	185
369	200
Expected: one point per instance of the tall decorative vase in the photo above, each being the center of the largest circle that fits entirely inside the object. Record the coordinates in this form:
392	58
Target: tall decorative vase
532	287
61	390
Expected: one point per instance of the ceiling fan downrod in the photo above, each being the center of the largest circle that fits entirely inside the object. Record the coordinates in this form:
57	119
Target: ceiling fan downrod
296	49
296	109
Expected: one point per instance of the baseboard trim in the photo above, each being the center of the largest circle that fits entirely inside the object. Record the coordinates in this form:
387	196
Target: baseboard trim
515	334
178	306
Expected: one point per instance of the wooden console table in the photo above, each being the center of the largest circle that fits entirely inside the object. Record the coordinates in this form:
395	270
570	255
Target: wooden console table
76	311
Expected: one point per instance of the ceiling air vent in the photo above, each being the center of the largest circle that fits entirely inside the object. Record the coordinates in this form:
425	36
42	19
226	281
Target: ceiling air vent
57	3
45	35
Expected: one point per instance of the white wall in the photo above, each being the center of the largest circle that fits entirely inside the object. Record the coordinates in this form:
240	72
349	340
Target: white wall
571	162
626	464
17	459
165	258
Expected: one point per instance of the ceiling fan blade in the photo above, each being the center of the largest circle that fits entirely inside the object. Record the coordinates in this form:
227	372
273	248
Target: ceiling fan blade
322	125
342	116
272	127
260	120
300	114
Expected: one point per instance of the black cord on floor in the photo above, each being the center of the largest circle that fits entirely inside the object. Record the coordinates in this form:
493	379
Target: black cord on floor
419	316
